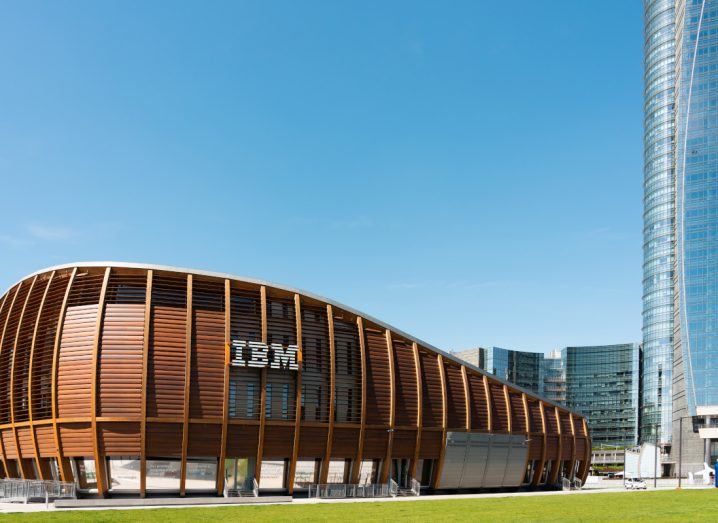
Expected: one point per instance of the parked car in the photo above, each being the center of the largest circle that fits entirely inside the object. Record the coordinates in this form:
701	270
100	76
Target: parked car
634	484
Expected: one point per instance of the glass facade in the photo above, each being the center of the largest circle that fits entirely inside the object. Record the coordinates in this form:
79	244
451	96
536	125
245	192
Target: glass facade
554	383
602	383
524	369
659	221
697	198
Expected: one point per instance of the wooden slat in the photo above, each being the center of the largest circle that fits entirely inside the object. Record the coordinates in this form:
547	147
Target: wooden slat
23	470
386	465
362	431
298	407
2	334
2	343
263	391
444	419
62	463
145	367
586	463
508	407
187	376
487	393
38	463
225	404
420	410
572	463
556	465
98	454
542	463
332	384
467	398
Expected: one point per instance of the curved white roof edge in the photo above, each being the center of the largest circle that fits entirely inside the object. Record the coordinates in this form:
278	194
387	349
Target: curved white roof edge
200	272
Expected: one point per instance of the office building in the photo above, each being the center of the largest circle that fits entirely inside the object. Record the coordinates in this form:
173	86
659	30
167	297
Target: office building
525	369
681	230
602	383
140	379
554	383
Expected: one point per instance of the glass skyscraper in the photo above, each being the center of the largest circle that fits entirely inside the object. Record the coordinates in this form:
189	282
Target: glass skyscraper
525	369
659	219
680	298
602	383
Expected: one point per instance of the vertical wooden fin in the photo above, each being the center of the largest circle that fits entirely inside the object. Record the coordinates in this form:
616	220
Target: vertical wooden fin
507	398
263	389
2	335
362	430
444	418
225	389
419	412
38	463
298	408
145	366
542	462
62	463
386	464
332	385
572	463
21	462
556	465
467	397
98	453
487	394
187	377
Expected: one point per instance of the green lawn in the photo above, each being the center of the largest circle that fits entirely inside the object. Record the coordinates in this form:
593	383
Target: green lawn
686	505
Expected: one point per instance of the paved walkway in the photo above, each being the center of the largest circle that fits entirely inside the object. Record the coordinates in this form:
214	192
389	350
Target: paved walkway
601	487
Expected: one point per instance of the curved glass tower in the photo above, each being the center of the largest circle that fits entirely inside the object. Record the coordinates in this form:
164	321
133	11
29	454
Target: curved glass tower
658	215
697	201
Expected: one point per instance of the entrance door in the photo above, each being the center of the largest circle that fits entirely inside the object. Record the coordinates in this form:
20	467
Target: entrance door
400	472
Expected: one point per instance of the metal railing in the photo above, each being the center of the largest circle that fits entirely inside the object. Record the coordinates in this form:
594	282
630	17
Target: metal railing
568	484
250	487
415	487
24	490
393	488
345	490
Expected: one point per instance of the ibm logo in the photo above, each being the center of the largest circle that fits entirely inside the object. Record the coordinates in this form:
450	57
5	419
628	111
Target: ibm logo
261	355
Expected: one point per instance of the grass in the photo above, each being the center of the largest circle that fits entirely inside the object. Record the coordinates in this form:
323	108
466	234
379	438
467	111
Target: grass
686	505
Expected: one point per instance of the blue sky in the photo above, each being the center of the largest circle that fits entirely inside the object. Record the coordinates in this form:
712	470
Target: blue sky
469	172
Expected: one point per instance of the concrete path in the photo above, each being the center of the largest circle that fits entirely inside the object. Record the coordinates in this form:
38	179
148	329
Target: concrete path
150	503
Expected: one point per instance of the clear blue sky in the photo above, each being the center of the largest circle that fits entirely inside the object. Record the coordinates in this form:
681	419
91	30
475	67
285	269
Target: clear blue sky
469	172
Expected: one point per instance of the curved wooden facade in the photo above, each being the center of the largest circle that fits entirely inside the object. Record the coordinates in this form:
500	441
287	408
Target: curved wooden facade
123	361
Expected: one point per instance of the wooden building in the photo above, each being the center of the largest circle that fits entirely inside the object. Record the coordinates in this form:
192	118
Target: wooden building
143	379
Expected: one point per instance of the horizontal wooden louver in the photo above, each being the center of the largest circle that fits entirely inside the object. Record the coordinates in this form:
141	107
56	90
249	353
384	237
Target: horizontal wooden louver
499	414
518	415
75	367
407	402
166	366
455	397
208	358
551	423
44	347
41	359
565	422
245	382
21	368
378	376
14	310
479	410
535	416
348	372
120	352
431	391
315	364
281	385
